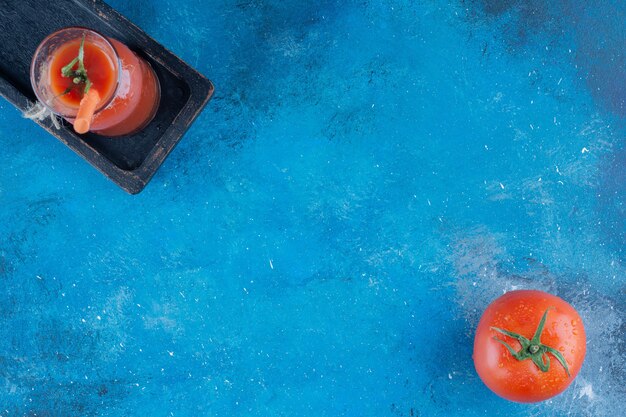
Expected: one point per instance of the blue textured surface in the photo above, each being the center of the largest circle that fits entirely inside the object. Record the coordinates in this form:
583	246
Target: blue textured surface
368	177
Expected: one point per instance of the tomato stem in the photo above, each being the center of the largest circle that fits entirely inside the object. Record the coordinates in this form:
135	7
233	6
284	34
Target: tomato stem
533	349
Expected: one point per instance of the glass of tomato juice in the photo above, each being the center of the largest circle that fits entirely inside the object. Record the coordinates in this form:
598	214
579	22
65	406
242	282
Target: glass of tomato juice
129	90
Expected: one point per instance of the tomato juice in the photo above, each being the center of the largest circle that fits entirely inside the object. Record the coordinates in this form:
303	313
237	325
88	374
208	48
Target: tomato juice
128	89
102	71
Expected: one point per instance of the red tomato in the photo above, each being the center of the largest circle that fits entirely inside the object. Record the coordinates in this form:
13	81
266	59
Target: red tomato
529	346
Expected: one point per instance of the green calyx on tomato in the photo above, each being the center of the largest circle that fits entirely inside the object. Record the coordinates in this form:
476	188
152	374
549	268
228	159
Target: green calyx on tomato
533	349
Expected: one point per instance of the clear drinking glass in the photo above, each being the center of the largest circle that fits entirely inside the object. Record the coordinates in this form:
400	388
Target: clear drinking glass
128	87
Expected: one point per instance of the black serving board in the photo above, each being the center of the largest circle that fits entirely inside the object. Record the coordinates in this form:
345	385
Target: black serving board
129	161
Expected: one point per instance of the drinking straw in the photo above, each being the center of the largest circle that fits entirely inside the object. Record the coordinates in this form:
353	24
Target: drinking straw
86	110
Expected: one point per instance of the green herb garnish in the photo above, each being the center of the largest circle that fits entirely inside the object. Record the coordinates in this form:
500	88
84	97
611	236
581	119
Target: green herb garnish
79	74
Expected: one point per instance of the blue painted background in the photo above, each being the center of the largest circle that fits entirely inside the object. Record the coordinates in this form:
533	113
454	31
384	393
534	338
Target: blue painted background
367	178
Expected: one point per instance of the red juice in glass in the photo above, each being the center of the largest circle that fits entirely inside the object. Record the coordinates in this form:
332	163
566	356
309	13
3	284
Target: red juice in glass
128	91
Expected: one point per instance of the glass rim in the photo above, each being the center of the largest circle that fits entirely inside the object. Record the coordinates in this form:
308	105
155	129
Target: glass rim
47	39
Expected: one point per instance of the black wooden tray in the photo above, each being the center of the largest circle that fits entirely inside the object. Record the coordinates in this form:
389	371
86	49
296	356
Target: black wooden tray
129	161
